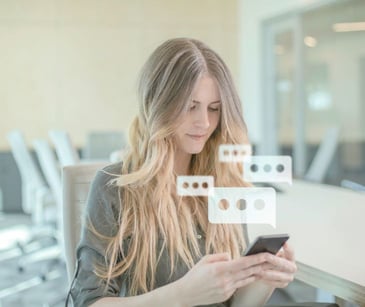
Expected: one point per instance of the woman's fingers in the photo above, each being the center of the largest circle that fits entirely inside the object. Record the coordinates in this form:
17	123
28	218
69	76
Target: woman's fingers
279	269
247	273
282	264
243	278
239	272
216	277
288	252
273	275
277	279
248	261
241	263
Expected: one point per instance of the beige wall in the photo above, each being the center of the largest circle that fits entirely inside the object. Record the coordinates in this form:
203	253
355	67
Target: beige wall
73	65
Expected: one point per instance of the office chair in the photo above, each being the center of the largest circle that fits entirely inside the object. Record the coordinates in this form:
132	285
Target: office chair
76	180
38	202
52	173
319	167
76	183
51	170
352	185
100	144
66	152
33	186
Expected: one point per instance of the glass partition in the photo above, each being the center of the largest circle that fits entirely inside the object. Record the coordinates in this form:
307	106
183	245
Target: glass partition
314	84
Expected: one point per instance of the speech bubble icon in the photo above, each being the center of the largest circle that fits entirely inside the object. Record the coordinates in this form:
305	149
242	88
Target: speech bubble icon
234	153
195	185
242	206
268	169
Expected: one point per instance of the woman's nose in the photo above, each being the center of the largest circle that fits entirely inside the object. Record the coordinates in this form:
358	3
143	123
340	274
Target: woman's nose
202	119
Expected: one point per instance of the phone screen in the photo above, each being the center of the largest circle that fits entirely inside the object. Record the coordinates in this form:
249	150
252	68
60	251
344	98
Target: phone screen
267	243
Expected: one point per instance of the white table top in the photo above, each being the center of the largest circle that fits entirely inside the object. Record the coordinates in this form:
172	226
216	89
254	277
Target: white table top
327	230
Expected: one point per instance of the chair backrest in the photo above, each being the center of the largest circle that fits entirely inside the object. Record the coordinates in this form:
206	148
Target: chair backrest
50	167
52	173
29	172
66	152
76	181
320	165
100	144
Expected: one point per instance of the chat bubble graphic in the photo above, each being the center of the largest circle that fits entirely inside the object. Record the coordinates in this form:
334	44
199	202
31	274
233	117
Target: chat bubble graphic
195	185
242	206
268	169
234	153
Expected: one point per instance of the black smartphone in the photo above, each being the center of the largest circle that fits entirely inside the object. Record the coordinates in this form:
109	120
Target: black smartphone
267	243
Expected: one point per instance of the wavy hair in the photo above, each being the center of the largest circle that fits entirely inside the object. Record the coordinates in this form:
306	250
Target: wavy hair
151	210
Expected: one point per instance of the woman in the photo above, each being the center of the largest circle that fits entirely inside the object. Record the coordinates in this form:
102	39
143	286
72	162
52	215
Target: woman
144	245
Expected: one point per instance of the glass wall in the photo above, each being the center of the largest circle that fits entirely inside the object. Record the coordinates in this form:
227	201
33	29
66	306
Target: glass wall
315	88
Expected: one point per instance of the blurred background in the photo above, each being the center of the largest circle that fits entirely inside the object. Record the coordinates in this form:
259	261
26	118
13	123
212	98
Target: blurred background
72	66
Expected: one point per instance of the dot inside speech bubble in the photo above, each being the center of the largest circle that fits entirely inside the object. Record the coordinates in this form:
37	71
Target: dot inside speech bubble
242	206
195	185
234	153
268	169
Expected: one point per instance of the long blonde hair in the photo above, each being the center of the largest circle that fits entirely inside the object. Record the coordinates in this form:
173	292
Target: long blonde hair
150	207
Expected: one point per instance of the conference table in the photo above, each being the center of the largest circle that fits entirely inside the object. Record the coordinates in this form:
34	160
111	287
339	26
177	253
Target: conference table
327	230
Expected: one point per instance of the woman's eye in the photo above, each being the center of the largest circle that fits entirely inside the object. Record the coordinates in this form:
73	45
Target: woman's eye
213	109
193	107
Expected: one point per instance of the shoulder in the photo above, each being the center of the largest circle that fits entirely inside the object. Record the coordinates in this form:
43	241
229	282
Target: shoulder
105	175
104	199
113	169
102	185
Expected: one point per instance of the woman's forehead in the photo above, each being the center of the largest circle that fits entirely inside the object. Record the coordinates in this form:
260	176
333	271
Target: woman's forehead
205	90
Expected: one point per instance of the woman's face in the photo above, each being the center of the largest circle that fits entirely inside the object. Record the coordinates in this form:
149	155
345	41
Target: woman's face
202	118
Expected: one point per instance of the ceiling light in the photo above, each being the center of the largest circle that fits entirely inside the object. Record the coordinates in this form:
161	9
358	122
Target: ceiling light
310	41
349	26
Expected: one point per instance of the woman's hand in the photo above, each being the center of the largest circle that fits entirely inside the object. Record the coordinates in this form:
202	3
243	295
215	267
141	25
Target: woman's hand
216	277
280	269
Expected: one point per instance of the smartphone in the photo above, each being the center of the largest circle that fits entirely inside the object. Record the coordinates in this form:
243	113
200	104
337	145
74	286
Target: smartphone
267	243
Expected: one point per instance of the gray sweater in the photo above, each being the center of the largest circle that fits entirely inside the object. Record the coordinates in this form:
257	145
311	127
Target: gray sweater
102	208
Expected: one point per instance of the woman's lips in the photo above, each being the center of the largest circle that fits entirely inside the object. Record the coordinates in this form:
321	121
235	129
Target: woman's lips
196	136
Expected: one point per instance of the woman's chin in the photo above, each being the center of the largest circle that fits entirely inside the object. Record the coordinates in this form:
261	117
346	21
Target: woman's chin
196	151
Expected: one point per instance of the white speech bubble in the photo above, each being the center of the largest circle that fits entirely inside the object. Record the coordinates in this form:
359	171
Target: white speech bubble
242	206
268	169
195	185
234	153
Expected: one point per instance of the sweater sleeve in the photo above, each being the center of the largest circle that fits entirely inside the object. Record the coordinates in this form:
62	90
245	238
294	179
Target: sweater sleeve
101	213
